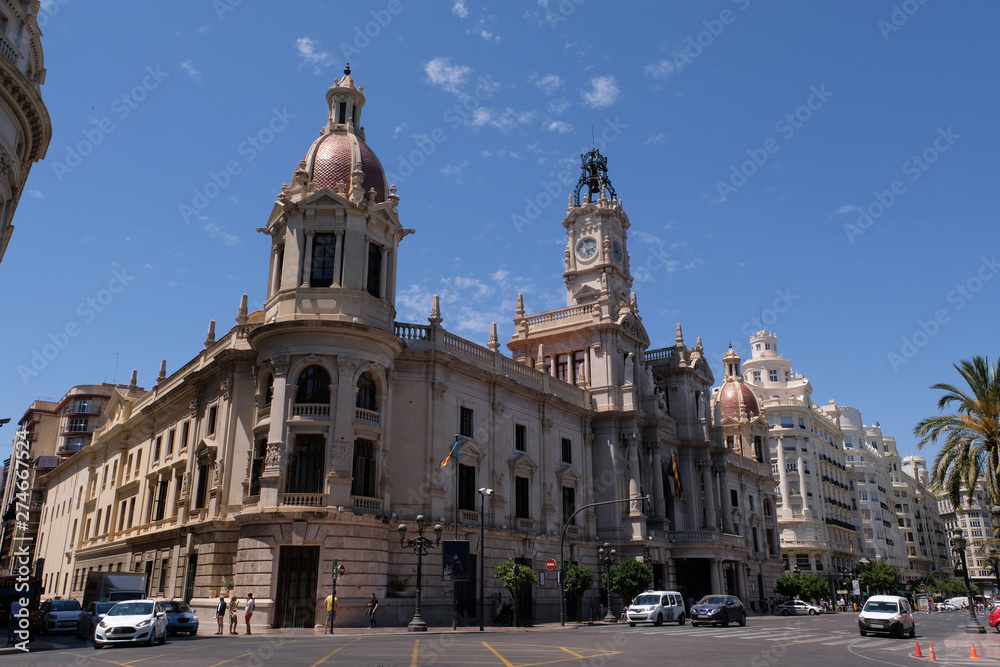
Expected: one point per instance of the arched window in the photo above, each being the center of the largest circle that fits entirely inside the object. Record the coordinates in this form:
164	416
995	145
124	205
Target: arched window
366	392
314	386
268	385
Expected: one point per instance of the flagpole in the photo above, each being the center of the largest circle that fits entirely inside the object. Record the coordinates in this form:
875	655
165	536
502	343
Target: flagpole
454	584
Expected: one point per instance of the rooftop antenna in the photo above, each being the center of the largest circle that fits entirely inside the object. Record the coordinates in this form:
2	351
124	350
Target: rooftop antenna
593	142
114	380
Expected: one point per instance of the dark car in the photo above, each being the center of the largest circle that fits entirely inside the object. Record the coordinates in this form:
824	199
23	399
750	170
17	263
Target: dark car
721	609
59	615
90	617
180	617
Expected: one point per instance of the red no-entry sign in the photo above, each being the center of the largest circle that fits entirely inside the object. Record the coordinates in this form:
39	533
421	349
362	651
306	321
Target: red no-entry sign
340	571
550	564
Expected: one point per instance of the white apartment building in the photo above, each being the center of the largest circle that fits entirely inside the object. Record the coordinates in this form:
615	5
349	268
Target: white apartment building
917	517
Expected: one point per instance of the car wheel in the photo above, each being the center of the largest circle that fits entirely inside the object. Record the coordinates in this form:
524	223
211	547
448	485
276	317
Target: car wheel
98	644
680	621
863	633
725	623
913	631
743	621
695	625
152	638
163	638
659	620
813	612
631	625
785	612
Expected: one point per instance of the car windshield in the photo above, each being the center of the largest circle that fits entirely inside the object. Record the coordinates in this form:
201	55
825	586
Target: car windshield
65	605
132	609
882	607
102	607
712	599
175	607
646	599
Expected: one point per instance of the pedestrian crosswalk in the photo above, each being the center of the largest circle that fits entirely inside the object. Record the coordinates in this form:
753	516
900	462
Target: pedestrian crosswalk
782	635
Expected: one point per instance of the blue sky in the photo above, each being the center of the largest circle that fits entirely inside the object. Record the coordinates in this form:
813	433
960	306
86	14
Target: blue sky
823	170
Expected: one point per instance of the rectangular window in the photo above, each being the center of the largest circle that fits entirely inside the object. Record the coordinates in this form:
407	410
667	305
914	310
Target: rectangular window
307	465
121	515
156	448
567	450
161	500
77	425
562	367
772	376
734	498
522	509
756	374
170	442
786	422
467	487
97	524
138	460
131	511
323	251
257	466
363	483
164	564
185	432
569	505
374	283
802	562
213	413
465	424
520	437
199	499
802	422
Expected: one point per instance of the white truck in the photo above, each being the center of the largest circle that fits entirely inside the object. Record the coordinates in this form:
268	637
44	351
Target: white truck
114	586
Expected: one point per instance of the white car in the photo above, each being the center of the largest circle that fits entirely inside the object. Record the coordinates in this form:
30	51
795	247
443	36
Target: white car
59	615
132	621
798	607
655	607
891	614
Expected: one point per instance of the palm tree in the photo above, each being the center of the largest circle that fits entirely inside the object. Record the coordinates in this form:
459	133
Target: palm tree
971	436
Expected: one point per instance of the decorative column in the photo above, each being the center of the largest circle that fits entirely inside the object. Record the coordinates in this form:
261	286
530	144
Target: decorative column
634	487
783	477
307	260
727	505
338	258
802	483
709	495
384	273
659	502
741	583
715	572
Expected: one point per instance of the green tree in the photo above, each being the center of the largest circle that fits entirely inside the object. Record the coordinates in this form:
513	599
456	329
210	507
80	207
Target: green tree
814	587
788	585
952	587
971	435
880	577
579	578
515	583
628	579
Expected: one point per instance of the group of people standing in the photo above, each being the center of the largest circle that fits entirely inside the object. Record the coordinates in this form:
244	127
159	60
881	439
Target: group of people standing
233	608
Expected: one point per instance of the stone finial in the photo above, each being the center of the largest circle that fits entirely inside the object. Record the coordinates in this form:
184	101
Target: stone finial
679	339
540	361
569	203
393	198
357	183
435	318
697	344
241	316
494	343
163	370
520	305
210	338
134	382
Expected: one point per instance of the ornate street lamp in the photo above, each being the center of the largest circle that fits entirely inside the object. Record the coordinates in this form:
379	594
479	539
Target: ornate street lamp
482	549
420	546
958	544
607	557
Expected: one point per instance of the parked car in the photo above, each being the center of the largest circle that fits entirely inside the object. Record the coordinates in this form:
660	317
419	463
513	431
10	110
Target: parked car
59	615
721	609
89	618
946	606
995	618
132	621
789	607
887	613
180	617
655	607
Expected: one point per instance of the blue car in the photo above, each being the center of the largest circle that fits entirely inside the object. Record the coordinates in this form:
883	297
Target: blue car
180	617
718	609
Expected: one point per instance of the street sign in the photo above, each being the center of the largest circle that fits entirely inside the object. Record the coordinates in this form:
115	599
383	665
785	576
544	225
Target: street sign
550	564
517	570
340	571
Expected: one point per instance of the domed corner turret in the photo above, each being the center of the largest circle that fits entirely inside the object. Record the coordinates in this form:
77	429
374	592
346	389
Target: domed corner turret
735	399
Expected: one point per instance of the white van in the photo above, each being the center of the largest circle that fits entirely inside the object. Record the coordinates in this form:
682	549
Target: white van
656	607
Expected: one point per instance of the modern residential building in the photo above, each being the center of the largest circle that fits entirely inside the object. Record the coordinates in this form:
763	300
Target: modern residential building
309	431
818	515
974	522
25	128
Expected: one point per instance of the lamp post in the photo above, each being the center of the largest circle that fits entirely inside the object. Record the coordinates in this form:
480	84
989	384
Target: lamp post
420	546
482	550
607	557
958	544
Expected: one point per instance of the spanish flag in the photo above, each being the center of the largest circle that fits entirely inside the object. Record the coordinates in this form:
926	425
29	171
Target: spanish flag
453	453
678	489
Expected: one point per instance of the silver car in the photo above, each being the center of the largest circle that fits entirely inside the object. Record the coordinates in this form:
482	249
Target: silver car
91	615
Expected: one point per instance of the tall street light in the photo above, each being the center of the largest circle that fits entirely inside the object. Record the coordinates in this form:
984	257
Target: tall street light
607	557
420	546
482	550
958	544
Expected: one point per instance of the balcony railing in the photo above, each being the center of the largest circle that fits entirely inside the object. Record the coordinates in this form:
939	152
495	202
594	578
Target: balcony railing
263	412
526	525
7	49
311	410
366	505
302	499
366	416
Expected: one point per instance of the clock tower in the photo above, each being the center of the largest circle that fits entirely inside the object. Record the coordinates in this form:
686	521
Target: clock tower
597	268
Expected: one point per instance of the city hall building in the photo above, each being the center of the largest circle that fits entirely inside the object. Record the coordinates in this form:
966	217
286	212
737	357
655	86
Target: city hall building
309	431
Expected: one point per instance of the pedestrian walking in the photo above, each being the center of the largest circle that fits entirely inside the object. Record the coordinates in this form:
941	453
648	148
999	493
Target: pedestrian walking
248	609
234	605
14	619
372	608
220	613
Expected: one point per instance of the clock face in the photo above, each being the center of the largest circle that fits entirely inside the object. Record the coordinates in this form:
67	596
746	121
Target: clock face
586	248
617	251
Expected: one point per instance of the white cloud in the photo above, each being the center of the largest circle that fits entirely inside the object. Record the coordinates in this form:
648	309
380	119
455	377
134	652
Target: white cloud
489	36
847	208
191	71
603	92
36	194
480	117
459	9
454	171
549	83
440	72
217	231
654	139
309	51
660	70
559	126
399	129
508	119
558	106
